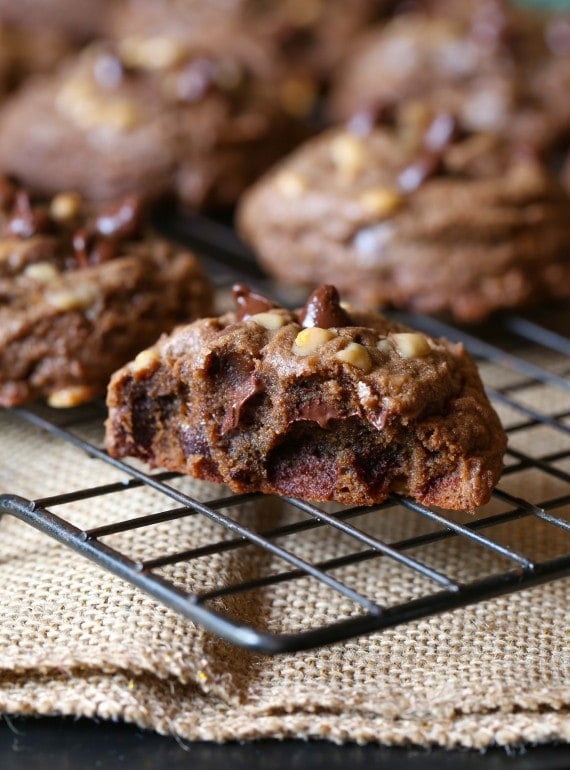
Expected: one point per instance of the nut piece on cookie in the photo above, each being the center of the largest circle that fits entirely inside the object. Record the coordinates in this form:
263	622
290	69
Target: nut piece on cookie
84	290
329	404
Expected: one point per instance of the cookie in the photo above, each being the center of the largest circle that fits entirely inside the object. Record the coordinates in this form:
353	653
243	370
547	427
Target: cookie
322	403
81	293
497	68
423	216
172	122
306	38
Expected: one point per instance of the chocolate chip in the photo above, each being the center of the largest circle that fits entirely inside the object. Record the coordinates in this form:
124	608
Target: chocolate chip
122	220
196	80
440	132
25	220
238	397
323	309
249	302
439	135
362	122
417	172
90	249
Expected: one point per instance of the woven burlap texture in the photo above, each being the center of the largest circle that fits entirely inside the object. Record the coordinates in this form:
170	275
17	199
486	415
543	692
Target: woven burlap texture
76	640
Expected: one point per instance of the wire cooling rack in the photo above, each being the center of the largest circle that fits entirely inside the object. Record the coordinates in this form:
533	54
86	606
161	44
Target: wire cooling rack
525	361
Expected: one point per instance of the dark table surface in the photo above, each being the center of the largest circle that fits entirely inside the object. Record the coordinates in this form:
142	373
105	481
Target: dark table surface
59	744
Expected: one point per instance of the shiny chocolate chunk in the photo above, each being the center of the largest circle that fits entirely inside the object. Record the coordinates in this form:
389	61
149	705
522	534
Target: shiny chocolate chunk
122	220
237	399
414	175
195	80
440	133
90	249
249	302
320	412
323	309
374	114
25	220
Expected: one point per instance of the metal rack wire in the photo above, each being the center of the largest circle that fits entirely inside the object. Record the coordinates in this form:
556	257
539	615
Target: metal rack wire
508	349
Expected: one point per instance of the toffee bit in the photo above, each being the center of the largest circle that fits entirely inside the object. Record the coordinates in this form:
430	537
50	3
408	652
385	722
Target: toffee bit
323	310
121	220
25	220
249	302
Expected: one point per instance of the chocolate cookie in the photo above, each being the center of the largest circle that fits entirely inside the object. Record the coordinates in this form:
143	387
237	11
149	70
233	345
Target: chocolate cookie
151	120
81	293
325	403
496	67
307	38
431	218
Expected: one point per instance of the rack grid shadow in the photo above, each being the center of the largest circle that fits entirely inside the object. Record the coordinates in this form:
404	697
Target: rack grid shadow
390	564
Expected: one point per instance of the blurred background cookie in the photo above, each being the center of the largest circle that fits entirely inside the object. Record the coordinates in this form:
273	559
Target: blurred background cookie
424	215
496	66
308	36
152	119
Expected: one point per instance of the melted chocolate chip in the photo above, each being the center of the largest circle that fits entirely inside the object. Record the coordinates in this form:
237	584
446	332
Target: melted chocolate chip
89	249
238	398
319	412
249	302
323	309
122	220
25	220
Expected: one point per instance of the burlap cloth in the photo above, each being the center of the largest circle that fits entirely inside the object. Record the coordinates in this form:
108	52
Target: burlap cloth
75	640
